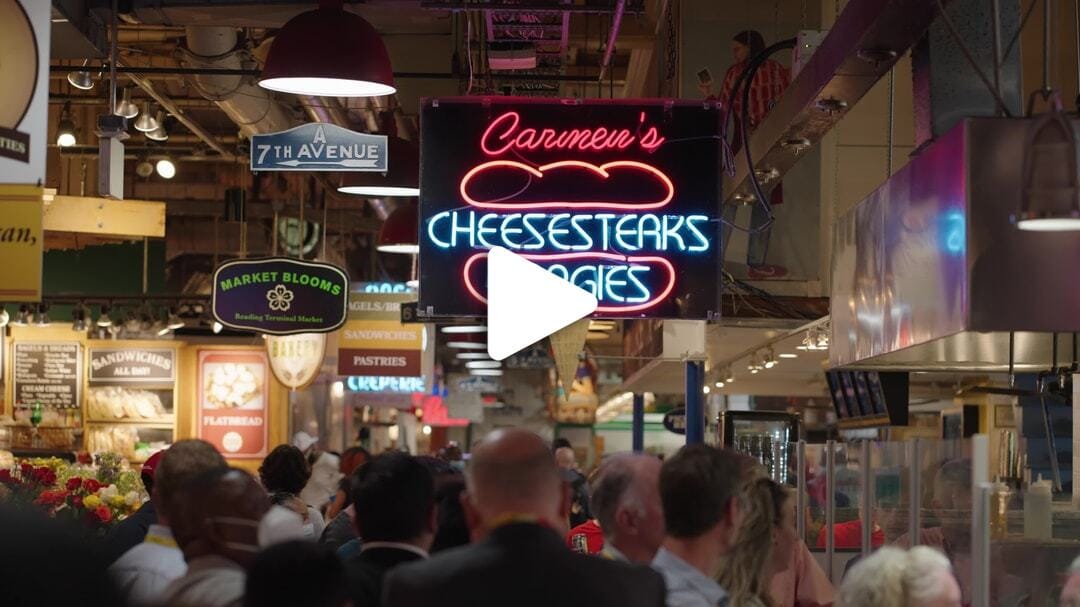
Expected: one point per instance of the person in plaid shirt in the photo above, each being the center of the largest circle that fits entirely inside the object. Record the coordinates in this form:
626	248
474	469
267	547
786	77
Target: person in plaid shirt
770	81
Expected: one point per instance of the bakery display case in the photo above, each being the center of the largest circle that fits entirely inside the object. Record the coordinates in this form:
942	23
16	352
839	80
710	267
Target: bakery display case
130	404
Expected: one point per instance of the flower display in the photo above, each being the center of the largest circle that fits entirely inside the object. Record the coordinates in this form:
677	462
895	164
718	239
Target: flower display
96	494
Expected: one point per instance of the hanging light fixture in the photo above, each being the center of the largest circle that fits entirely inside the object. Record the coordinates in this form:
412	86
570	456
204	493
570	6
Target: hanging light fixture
65	130
1051	197
402	179
144	168
43	316
125	107
770	359
81	79
729	377
398	233
78	319
146	121
174	322
159	134
104	321
165	168
24	316
4	317
330	52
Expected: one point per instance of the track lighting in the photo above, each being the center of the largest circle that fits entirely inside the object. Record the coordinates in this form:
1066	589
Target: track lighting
165	168
146	121
65	130
81	79
43	316
125	107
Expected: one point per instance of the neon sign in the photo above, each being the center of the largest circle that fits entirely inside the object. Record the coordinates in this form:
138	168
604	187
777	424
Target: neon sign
356	383
618	199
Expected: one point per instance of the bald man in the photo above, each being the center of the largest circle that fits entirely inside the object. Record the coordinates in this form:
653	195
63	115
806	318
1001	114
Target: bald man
215	521
517	504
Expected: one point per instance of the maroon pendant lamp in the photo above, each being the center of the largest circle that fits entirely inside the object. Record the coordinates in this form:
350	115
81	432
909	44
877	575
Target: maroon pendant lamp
398	233
401	179
330	52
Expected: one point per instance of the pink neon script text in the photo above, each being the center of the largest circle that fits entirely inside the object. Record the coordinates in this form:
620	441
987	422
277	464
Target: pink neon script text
503	135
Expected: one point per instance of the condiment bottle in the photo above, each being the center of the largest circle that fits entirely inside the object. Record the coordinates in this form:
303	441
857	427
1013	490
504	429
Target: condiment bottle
1038	518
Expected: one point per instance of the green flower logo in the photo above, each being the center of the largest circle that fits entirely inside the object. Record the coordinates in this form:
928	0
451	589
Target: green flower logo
280	298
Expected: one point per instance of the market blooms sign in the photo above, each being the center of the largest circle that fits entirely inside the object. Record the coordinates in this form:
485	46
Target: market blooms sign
618	198
280	296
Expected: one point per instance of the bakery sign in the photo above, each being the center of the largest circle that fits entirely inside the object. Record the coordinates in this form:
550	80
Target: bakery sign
296	359
24	69
280	296
132	365
618	198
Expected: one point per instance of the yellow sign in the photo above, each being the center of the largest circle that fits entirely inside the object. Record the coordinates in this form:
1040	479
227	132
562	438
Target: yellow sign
381	335
21	242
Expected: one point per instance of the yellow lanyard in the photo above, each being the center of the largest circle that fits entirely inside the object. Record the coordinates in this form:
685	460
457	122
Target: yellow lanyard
168	542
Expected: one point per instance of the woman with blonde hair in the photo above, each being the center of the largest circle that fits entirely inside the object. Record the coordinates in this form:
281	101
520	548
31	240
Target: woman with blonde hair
761	542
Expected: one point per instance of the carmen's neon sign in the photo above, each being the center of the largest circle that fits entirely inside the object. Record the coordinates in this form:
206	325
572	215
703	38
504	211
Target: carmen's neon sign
591	204
503	135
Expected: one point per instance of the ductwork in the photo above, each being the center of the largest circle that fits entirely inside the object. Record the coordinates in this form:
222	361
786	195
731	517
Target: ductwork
249	106
929	273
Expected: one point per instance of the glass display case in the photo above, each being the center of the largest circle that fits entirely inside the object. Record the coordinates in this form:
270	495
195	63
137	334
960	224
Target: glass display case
765	436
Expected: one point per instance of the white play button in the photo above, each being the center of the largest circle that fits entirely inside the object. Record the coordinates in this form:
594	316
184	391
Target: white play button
526	303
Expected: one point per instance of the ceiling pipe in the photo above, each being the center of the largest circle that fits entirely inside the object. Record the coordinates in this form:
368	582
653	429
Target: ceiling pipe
616	23
250	107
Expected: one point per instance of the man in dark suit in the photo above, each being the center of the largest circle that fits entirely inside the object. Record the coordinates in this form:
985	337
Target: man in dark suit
394	498
517	504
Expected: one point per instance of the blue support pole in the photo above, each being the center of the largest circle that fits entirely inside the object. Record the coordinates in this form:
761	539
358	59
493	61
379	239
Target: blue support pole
695	403
637	432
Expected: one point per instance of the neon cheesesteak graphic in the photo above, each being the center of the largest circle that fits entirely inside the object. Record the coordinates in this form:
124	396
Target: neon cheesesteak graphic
610	277
592	203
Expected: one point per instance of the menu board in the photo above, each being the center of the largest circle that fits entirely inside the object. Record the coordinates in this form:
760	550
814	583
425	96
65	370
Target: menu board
49	373
133	365
233	389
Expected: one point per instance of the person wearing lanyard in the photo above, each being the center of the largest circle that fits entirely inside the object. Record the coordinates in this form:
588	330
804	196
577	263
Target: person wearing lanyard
517	506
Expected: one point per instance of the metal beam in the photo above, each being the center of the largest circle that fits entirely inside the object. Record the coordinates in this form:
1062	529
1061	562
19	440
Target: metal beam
862	46
170	107
527	7
616	23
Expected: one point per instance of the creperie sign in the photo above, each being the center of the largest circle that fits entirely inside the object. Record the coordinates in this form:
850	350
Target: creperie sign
592	203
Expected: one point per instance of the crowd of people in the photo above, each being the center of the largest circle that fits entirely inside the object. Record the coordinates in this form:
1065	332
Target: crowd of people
705	527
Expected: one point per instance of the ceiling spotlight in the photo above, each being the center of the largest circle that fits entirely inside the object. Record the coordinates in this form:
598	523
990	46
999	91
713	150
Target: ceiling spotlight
729	377
159	134
705	389
464	329
164	330
483	364
146	121
769	360
23	317
4	317
328	52
822	340
174	322
78	316
144	168
719	384
65	130
165	168
104	320
125	107
216	327
487	372
43	316
789	355
426	430
81	79
466	345
472	356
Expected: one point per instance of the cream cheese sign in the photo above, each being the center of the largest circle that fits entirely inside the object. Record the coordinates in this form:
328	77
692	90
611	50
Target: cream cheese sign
24	71
296	359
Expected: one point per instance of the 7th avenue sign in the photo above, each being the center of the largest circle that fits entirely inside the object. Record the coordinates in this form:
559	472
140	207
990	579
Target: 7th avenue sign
319	147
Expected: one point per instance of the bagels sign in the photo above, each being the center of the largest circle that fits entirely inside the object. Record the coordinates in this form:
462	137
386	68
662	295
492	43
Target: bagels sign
618	198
